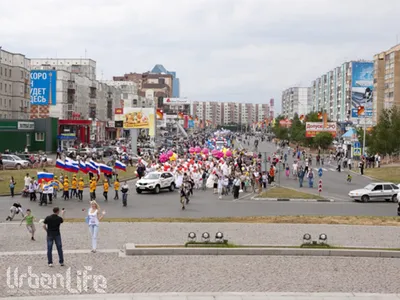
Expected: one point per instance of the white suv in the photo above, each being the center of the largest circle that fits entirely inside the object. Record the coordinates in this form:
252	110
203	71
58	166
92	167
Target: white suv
156	181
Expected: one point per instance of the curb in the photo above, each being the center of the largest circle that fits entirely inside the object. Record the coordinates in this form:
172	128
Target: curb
292	200
86	186
131	250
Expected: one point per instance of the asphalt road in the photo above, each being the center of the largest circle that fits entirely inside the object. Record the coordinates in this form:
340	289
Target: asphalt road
206	204
203	204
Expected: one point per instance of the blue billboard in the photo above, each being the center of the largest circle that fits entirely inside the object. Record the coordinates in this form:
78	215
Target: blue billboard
43	87
191	124
362	85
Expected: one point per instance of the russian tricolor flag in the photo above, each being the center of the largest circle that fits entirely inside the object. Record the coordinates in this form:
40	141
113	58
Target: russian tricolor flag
71	161
70	167
45	177
60	164
120	166
106	169
93	167
83	167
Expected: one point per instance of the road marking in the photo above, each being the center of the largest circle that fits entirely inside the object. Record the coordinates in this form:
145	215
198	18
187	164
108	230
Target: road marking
243	197
332	170
324	169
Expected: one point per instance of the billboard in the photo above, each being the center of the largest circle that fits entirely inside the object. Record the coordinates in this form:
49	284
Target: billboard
362	85
313	128
176	101
43	87
138	118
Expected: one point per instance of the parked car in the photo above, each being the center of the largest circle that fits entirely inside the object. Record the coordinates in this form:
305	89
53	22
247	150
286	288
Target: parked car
14	162
376	191
156	181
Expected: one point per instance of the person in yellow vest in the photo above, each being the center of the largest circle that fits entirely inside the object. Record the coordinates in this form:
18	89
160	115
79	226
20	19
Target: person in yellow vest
92	189
66	188
105	190
81	186
74	186
116	188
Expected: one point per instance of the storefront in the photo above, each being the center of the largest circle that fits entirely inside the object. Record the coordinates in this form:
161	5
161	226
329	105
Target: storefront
111	131
81	129
36	135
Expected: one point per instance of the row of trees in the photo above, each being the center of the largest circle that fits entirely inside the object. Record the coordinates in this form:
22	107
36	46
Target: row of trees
384	138
297	132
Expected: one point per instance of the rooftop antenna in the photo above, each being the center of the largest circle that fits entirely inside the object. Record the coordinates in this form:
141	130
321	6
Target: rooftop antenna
85	53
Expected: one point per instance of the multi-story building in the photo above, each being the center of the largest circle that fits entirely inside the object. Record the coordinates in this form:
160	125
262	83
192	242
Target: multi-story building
129	92
14	85
151	86
295	100
223	113
159	69
386	80
83	104
342	90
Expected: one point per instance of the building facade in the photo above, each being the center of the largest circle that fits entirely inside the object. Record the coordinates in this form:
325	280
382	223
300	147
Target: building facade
160	69
14	85
386	80
296	100
224	113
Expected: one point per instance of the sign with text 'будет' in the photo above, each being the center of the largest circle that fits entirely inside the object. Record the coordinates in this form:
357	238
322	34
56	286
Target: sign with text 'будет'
43	87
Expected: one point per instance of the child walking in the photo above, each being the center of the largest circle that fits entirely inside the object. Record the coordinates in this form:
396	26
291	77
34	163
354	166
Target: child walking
29	219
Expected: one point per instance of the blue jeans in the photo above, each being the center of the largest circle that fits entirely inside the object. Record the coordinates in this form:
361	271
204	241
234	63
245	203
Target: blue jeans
301	181
94	229
310	182
50	241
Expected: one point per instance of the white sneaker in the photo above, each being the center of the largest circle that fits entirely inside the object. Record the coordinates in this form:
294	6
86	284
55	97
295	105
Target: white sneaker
50	265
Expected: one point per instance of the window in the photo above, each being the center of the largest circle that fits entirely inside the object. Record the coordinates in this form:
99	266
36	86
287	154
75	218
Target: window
388	187
5	87
28	140
1	86
9	102
22	74
1	103
378	188
39	136
10	72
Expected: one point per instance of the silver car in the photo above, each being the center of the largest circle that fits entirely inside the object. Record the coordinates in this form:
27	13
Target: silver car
376	191
14	162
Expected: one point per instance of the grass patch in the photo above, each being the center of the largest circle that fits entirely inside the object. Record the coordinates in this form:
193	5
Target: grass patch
391	174
19	175
285	193
334	220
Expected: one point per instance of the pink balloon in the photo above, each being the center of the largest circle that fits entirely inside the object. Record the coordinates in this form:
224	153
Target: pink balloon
228	153
205	151
170	153
191	150
197	149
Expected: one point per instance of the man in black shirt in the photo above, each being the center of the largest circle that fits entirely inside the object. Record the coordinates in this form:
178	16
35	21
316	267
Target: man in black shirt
52	226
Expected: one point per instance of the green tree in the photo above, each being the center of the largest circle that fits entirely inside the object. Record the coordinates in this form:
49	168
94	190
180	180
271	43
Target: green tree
323	140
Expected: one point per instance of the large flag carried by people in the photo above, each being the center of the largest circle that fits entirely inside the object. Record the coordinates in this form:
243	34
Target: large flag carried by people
44	177
120	166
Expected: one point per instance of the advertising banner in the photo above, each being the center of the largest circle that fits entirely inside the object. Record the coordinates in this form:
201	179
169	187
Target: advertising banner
43	87
138	118
313	128
362	85
176	101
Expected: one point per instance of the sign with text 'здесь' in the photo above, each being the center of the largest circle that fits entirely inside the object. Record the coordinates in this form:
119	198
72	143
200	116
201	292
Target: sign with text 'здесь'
43	87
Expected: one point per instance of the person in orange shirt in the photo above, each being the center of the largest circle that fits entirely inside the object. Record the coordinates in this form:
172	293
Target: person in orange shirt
81	186
66	189
271	174
116	188
105	189
92	189
74	186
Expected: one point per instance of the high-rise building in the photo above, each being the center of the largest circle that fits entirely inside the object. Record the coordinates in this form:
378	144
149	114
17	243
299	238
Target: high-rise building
160	69
295	100
386	80
14	85
223	113
342	90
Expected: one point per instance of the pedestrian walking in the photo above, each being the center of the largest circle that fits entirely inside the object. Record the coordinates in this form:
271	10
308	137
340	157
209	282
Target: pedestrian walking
29	219
15	209
12	186
105	189
93	220
52	227
236	187
116	189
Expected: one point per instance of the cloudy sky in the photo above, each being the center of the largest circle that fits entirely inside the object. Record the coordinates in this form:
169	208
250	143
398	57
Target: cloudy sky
224	50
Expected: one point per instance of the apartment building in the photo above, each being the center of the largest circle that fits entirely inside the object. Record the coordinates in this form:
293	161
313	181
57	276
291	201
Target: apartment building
150	85
160	69
78	94
223	113
129	92
296	100
14	85
386	80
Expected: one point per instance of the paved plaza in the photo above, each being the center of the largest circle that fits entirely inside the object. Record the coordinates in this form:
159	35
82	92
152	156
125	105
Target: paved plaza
228	296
